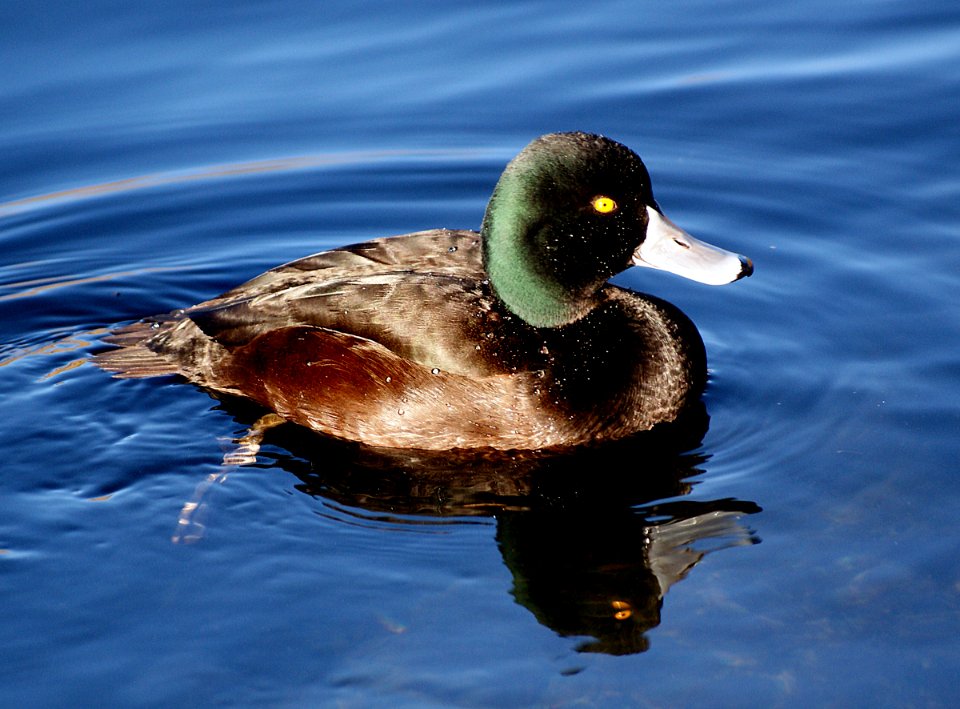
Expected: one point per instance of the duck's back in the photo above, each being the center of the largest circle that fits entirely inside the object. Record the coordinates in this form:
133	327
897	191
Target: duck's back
408	293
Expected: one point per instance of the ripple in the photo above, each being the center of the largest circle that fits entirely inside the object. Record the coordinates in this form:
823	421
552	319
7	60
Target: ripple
238	169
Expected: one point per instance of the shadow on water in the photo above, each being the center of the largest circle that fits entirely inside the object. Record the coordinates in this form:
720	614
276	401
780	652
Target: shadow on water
591	536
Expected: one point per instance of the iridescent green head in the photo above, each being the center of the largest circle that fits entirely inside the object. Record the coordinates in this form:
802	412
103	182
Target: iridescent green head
572	210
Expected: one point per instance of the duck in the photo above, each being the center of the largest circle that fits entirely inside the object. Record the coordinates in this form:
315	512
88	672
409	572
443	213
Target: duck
510	338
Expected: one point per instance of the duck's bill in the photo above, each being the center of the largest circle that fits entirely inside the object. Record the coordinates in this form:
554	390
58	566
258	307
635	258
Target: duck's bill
670	248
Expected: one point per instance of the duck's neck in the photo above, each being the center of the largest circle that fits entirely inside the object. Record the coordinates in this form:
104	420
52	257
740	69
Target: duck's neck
518	263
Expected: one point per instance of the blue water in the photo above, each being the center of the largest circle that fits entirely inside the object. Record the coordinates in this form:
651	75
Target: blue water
154	155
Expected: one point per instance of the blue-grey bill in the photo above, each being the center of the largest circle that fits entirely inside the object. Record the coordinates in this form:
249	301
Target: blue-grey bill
670	248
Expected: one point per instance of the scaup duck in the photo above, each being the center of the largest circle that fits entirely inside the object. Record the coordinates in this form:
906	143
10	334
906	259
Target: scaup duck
509	338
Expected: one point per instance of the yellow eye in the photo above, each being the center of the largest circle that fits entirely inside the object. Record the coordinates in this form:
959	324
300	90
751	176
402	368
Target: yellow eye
603	204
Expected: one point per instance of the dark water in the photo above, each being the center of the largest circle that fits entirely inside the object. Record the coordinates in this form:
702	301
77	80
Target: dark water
154	155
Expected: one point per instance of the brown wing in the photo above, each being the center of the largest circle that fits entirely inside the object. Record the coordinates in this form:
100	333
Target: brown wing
357	389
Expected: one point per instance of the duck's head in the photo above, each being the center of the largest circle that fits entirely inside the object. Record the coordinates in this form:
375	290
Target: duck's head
572	210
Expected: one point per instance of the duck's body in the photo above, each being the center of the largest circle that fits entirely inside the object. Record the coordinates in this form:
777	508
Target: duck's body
453	339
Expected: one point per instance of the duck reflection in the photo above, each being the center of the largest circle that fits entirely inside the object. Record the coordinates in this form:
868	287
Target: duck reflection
590	536
603	573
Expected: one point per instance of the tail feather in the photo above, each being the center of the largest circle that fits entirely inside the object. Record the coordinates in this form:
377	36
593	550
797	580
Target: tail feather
132	358
135	361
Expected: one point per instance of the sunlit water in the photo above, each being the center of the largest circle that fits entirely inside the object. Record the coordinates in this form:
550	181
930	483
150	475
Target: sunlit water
804	554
